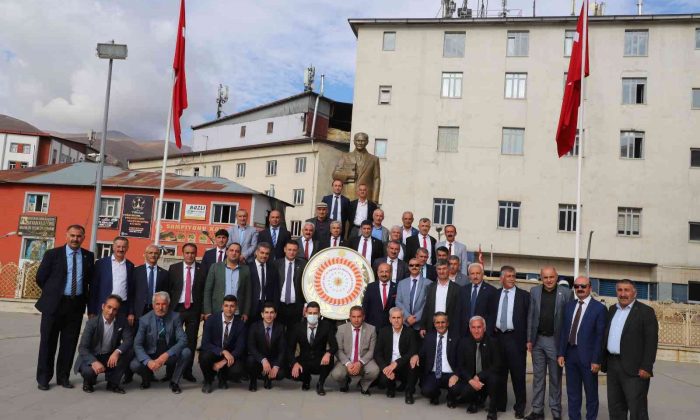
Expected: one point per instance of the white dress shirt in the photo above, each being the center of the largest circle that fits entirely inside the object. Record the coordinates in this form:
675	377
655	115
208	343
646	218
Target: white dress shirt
405	234
223	254
394	264
441	297
395	353
310	241
446	368
616	326
288	263
258	265
108	331
361	213
511	304
586	301
119	278
223	327
368	253
184	282
334	241
428	247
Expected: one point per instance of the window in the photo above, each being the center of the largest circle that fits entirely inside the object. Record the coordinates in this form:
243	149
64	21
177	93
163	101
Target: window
568	42
243	131
223	213
448	139
300	165
104	249
451	85
389	41
567	217
296	227
509	214
443	209
575	150
298	199
216	171
380	148
515	85
195	171
453	45
384	95
696	98
634	90
270	127
628	219
636	43
518	44
14	164
240	170
37	203
169	250
695	158
271	167
109	206
20	148
178	171
170	210
513	139
632	144
694	233
54	156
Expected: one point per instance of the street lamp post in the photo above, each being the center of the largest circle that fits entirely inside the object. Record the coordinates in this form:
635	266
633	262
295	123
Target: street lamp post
111	52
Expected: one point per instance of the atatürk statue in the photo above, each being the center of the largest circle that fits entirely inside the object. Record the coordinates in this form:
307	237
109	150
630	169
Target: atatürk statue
359	167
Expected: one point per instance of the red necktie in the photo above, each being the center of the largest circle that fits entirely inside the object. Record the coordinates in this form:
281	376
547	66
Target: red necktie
306	249
335	241
221	253
356	355
188	289
384	295
425	243
364	248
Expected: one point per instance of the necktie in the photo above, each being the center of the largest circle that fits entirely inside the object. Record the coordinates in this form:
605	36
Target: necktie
306	249
450	248
356	353
312	336
74	275
438	359
384	295
364	248
472	302
225	341
262	281
574	327
221	256
161	329
478	358
151	281
335	241
335	208
425	242
188	288
504	312
268	336
412	296
274	236
288	284
391	264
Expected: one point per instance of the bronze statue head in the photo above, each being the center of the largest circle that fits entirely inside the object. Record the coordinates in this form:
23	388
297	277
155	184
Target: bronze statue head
361	140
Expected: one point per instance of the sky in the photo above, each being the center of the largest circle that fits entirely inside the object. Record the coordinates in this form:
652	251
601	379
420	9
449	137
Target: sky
51	77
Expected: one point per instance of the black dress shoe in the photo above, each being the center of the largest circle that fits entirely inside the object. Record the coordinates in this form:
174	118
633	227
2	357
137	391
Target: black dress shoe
88	388
207	388
305	386
409	399
319	389
519	415
128	379
391	392
175	388
472	408
435	401
493	415
451	403
346	387
189	377
43	387
166	378
65	383
253	386
115	388
365	391
145	384
267	383
534	416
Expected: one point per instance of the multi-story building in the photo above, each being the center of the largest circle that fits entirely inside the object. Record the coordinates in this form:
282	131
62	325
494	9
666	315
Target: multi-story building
463	114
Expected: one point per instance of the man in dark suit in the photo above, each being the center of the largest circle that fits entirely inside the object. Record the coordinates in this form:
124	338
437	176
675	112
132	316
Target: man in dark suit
216	254
187	293
264	281
478	296
291	293
399	268
478	369
160	341
396	365
317	345
105	347
369	247
379	297
509	326
359	210
336	236
223	346
267	349
112	275
64	277
338	204
630	341
407	229
148	279
442	296
422	240
580	348
229	277
308	246
276	234
427	271
322	224
438	356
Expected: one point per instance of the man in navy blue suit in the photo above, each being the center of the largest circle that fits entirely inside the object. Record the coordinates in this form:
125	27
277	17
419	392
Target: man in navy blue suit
477	298
580	348
337	203
216	254
264	278
379	297
438	356
276	234
113	276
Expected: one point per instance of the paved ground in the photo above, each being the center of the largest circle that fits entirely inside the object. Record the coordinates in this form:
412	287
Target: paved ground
675	394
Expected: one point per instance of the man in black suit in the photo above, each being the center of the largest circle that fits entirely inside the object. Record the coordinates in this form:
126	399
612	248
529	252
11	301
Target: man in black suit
338	204
216	254
336	237
223	345
442	296
264	279
630	342
427	271
112	275
64	277
369	247
317	345
308	246
379	297
422	240
267	349
187	293
396	365
276	234
510	307
105	347
359	210
399	268
148	279
438	356
291	293
477	297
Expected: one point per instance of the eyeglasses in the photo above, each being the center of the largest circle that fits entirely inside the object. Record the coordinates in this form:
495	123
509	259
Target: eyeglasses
414	265
580	286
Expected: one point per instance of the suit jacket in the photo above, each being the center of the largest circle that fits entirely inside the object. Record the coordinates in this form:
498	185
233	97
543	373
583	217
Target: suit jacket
324	341
385	235
461	279
452	307
142	296
639	340
408	347
146	340
52	275
352	211
270	291
249	242
429	348
368	339
533	317
430	272
281	266
403	298
377	247
401	268
590	331
177	280
521	306
376	314
214	332
102	284
484	305
210	258
490	359
344	207
327	243
414	232
322	229
412	245
460	250
283	236
91	340
318	245
276	352
215	289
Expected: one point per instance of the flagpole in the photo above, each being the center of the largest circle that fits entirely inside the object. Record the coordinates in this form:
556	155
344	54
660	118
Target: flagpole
165	161
582	134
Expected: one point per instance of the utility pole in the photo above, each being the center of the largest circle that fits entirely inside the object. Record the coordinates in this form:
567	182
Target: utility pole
221	99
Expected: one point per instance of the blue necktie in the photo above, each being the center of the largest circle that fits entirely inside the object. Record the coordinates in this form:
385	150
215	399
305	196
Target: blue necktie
274	236
438	359
150	280
412	296
472	303
335	208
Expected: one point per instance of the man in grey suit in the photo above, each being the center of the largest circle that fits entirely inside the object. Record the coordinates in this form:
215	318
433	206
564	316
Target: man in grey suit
228	277
378	230
455	248
355	357
544	319
456	276
161	341
411	293
245	235
105	347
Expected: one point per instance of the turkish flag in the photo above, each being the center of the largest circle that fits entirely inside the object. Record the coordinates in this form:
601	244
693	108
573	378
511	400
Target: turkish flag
180	86
568	119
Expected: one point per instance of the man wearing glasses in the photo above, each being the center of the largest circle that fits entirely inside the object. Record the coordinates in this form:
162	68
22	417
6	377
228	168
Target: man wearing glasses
411	294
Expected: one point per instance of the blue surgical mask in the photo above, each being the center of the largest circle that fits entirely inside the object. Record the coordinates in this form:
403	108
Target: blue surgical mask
312	319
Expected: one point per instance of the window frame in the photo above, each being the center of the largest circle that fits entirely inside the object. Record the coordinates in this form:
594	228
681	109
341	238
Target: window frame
383	141
235	204
629	214
632	50
515	52
631	136
509	206
195	171
444	44
384	97
384	39
300	165
240	170
512	138
170	200
445	209
271	167
270	127
242	132
570	213
118	206
694	94
636	90
298	196
106	246
26	202
295	228
697	151
178	171
455	81
692	224
569	46
445	150
515	77
216	171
